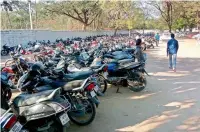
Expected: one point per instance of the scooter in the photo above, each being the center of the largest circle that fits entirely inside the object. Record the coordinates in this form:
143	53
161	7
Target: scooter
9	122
41	112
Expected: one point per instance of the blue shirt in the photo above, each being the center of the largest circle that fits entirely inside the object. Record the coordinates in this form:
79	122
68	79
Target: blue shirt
157	37
172	46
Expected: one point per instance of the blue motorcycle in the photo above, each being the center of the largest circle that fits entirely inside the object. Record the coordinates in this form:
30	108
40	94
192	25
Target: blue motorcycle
6	50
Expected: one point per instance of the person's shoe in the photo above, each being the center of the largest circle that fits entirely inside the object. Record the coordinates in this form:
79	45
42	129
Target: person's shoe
170	67
174	69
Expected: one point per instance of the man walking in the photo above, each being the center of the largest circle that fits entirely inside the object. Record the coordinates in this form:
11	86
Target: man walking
172	49
157	37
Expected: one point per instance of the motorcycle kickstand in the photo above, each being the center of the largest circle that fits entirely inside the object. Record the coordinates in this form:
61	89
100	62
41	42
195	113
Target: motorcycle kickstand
118	89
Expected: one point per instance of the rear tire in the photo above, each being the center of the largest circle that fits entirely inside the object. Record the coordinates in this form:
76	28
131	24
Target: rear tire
140	79
93	109
56	127
103	90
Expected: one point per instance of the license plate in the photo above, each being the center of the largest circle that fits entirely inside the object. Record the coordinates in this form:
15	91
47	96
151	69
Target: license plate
64	118
96	88
105	74
16	128
92	94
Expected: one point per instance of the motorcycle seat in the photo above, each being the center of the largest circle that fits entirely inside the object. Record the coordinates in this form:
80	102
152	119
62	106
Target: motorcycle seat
75	68
78	75
29	99
95	67
125	61
73	84
131	65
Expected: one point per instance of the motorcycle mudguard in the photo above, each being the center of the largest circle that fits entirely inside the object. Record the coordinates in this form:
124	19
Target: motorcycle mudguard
44	109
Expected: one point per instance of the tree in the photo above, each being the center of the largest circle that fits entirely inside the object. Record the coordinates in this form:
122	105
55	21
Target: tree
7	7
186	12
179	24
166	10
118	14
82	11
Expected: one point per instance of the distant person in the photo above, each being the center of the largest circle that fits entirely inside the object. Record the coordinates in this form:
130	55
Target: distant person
172	49
138	51
137	37
157	37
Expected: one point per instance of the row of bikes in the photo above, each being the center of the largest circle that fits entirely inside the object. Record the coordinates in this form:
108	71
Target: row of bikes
59	87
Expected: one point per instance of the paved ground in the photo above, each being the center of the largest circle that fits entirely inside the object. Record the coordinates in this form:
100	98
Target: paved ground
170	103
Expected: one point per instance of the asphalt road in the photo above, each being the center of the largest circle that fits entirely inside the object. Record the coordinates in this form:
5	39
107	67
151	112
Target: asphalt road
170	102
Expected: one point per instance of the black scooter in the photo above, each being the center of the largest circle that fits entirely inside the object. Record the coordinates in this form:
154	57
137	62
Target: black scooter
41	112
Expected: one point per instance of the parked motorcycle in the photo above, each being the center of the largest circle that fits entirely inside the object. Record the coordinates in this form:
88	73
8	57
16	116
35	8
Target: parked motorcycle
80	93
6	92
17	67
41	112
6	50
9	122
125	73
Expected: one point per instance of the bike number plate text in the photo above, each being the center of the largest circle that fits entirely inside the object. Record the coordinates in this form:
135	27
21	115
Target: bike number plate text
64	118
16	128
96	88
93	94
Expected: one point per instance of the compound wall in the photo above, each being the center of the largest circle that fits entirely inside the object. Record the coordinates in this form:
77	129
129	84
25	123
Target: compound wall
15	37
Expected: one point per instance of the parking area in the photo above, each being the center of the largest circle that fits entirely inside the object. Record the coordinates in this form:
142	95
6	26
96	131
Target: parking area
170	102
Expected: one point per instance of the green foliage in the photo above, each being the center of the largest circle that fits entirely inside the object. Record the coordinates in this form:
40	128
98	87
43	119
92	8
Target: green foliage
179	24
76	15
82	11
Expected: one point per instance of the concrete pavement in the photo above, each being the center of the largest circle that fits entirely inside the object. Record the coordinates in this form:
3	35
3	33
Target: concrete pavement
170	103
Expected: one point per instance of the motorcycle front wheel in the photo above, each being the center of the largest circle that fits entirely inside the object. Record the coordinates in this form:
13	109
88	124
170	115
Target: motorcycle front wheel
4	52
89	110
137	82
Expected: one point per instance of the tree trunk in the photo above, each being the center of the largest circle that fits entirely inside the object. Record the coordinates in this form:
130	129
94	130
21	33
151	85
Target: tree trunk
143	27
94	24
84	27
115	33
97	25
35	14
9	19
170	27
129	33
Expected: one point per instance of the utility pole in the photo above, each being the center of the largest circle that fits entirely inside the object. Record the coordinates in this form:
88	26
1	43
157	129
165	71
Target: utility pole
30	15
35	14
